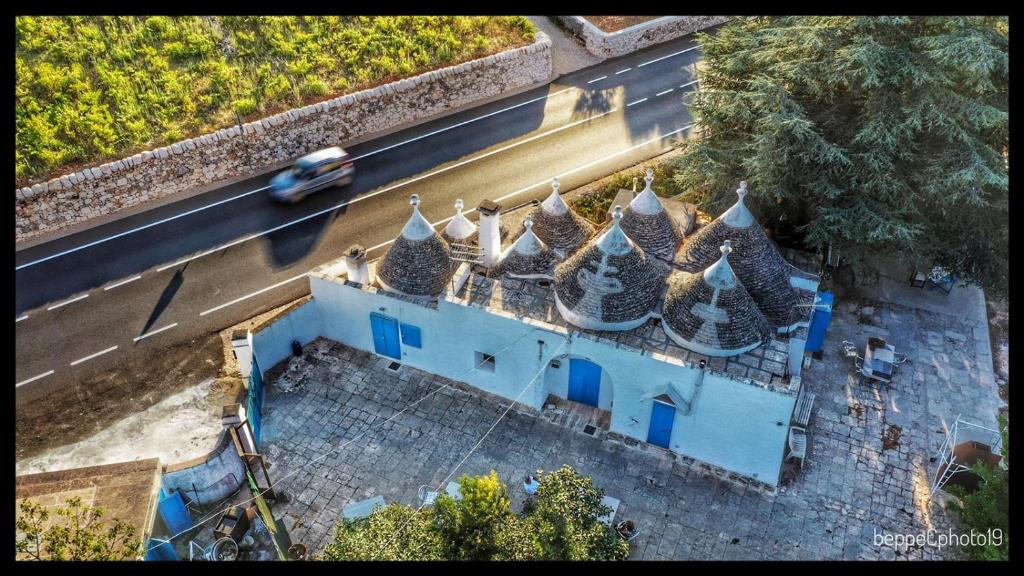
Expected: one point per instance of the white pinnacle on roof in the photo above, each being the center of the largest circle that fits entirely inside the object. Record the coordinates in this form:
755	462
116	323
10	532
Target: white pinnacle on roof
738	216
720	274
554	203
417	228
527	244
647	202
614	241
460	227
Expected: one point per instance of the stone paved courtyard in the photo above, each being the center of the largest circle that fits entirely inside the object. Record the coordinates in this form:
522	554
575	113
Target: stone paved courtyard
867	470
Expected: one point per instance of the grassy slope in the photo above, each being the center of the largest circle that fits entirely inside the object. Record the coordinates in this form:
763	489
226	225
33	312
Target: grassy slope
93	88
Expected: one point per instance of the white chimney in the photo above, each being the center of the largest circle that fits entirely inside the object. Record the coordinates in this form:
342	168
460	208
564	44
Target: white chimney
490	234
355	261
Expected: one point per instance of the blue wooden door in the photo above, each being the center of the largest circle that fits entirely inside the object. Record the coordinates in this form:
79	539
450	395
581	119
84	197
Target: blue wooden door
584	381
385	336
662	416
255	400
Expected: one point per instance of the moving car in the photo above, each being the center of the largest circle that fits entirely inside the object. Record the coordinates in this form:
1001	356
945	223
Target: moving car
321	169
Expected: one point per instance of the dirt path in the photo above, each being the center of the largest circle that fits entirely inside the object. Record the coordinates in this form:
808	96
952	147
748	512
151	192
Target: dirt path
96	404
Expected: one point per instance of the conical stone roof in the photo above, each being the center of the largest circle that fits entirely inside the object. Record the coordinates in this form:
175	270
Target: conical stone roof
647	223
459	228
711	313
418	262
755	260
610	283
527	257
558	226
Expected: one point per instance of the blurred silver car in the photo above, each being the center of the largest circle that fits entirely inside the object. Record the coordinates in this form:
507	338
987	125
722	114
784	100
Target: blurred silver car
321	169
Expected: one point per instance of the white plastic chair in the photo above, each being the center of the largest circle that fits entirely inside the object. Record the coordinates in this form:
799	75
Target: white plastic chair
427	496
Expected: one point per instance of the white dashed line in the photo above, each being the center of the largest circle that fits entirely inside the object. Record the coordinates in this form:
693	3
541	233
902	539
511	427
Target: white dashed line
636	102
237	300
622	71
148	334
55	306
669	56
123	282
90	357
383	190
34	378
688	84
20	318
596	80
665	92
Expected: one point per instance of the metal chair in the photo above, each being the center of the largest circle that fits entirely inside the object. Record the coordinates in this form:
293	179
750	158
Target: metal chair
850	349
427	496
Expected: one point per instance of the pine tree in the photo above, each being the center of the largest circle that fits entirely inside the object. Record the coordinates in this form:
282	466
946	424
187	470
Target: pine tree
875	134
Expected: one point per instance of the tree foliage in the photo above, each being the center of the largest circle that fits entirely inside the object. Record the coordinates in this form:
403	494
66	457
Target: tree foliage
76	533
988	508
560	524
874	134
92	87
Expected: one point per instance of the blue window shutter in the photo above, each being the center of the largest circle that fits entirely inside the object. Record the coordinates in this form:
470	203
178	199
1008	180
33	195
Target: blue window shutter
411	335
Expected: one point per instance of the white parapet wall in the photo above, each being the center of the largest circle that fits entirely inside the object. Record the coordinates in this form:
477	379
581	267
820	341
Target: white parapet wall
612	44
262	145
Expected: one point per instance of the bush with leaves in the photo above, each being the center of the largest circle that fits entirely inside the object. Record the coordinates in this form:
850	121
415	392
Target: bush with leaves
470	525
393	532
75	534
988	507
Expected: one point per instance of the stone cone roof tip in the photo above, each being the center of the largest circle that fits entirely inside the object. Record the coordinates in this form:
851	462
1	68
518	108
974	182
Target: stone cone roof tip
753	259
528	256
648	223
418	263
459	228
712	313
610	283
558	225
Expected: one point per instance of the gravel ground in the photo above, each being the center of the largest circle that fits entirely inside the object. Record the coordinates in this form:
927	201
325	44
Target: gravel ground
568	54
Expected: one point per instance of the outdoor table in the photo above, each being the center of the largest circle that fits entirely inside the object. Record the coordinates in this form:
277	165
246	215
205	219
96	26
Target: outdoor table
363	508
452	489
612	503
878	363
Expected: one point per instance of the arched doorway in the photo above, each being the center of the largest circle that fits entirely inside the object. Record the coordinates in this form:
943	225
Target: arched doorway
584	382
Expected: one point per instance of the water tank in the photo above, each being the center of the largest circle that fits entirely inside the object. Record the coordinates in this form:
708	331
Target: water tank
820	320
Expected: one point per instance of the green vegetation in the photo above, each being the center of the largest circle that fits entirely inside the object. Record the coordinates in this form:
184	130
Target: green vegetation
879	135
988	508
79	536
558	523
91	88
594	206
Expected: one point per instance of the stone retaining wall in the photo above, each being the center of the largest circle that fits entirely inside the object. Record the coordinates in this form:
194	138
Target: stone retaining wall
262	145
612	44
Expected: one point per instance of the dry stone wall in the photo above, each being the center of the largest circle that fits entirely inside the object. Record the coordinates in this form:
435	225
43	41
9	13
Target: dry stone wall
612	44
261	145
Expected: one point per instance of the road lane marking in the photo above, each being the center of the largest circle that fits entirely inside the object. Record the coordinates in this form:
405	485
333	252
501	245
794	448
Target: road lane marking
148	334
688	84
665	92
548	180
66	302
90	357
140	228
596	80
34	378
193	211
636	102
381	191
464	123
19	319
626	70
256	293
669	56
123	282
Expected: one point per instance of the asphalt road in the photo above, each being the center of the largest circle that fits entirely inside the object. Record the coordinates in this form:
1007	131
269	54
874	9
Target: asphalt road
94	299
